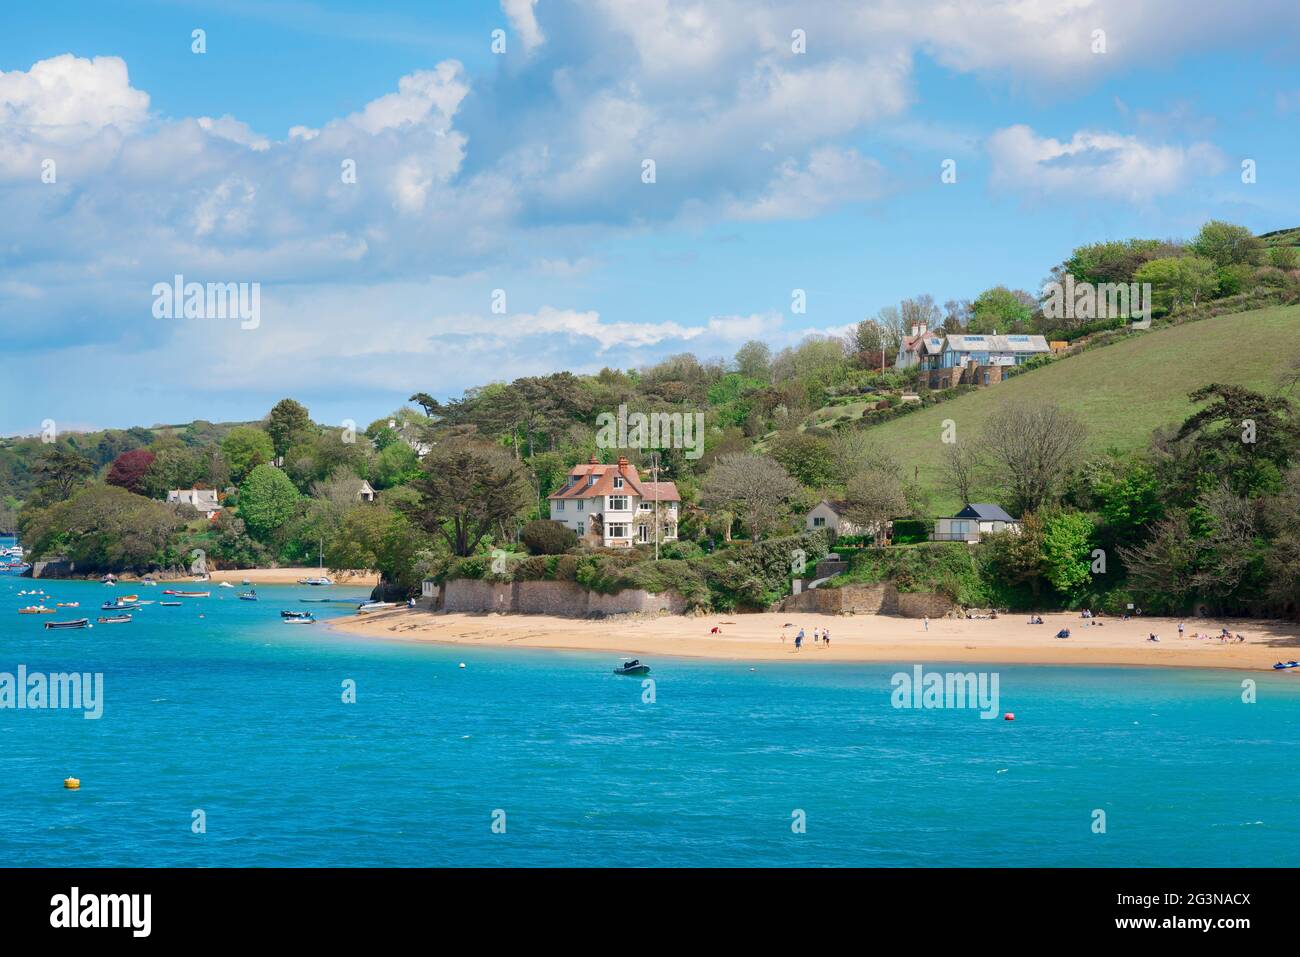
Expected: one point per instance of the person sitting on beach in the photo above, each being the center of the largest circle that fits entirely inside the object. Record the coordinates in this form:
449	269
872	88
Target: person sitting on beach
1063	633
716	630
1153	637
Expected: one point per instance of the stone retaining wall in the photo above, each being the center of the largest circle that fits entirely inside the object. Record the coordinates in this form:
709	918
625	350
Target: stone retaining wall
566	599
922	604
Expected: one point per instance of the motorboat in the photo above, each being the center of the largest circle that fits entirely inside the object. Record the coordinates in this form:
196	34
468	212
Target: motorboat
119	606
78	623
248	596
295	614
1284	665
171	604
113	620
320	580
633	667
37	610
299	620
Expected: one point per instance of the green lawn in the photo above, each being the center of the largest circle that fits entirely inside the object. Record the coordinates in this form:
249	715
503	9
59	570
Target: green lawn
1122	392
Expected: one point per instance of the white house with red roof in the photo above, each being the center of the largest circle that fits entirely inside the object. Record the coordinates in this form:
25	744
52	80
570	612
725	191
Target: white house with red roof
915	348
615	506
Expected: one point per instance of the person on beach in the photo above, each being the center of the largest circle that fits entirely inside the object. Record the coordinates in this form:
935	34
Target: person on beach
783	636
798	640
925	621
1180	629
826	638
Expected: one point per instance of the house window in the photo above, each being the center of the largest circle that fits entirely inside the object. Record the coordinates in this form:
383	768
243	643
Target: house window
618	503
643	533
591	480
617	531
618	481
559	505
579	505
819	521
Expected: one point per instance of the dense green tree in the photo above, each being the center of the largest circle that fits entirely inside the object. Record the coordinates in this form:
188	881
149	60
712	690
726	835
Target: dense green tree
267	501
1178	282
1225	244
1067	553
285	423
468	489
244	448
1002	310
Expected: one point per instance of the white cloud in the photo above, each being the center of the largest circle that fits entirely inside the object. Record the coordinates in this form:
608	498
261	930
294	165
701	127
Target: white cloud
524	20
1096	164
831	177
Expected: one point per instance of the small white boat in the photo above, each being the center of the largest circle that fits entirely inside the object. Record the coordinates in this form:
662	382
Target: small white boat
375	606
225	585
320	580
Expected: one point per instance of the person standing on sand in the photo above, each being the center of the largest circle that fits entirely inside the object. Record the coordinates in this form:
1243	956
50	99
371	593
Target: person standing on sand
1180	629
798	639
826	638
925	620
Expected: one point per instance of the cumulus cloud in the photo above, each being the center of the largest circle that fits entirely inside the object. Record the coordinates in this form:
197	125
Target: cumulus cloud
1096	164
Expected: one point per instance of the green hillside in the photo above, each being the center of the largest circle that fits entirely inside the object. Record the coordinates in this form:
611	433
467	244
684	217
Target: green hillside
1122	392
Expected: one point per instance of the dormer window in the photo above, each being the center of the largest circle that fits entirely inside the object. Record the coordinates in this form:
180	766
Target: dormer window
618	481
591	480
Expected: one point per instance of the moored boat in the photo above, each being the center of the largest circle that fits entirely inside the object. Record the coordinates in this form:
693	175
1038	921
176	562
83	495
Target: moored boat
633	667
78	623
248	596
118	606
37	610
171	604
1284	665
189	594
113	620
299	620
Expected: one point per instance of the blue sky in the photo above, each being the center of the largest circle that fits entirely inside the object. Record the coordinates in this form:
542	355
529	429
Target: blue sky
522	171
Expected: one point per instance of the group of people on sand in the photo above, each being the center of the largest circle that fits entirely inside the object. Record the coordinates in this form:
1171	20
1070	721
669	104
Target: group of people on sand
1224	636
820	636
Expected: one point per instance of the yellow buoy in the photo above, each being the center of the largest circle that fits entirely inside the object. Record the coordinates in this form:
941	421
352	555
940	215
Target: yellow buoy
72	783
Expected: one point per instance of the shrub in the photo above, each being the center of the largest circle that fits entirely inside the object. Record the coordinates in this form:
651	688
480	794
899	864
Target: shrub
546	537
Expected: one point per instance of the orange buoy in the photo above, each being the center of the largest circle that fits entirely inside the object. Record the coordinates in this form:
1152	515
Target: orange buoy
72	784
1009	716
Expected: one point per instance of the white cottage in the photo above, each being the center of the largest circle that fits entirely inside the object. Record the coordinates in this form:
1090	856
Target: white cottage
614	506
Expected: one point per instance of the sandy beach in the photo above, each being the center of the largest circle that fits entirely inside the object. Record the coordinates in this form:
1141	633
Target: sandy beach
274	576
1005	640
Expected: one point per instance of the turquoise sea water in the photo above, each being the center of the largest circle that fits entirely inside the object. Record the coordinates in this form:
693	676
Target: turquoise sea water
241	716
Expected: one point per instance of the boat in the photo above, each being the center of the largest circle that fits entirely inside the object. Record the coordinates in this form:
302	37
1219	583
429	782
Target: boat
148	581
171	604
225	585
321	580
248	596
113	620
37	610
78	623
16	568
375	606
317	600
295	614
68	604
118	606
1284	665
299	620
126	598
189	594
633	667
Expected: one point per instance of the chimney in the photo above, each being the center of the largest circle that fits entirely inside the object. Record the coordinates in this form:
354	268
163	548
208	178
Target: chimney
592	460
622	465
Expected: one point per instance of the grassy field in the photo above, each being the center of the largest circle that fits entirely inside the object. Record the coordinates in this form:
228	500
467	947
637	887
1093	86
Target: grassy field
1122	392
